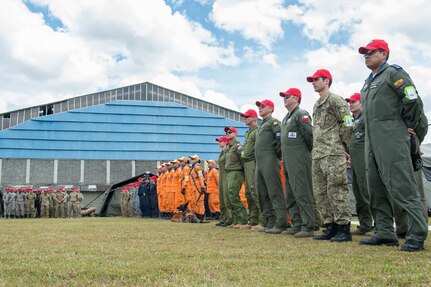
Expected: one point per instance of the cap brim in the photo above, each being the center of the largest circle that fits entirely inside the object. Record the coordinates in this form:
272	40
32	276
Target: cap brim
310	79
364	49
258	103
283	94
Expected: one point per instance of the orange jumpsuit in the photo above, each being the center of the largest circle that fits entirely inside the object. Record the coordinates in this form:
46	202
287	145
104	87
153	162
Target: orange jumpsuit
242	195
212	190
161	191
178	198
196	179
169	191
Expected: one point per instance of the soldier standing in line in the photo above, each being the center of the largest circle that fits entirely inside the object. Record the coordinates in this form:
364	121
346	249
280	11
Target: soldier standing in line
45	203
332	130
123	201
20	203
80	201
235	178
154	207
6	202
73	199
226	217
37	203
268	179
59	200
357	159
392	111
31	199
257	220
53	205
296	146
12	203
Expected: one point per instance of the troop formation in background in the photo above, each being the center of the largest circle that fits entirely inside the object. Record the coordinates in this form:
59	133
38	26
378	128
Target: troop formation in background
53	203
379	136
139	199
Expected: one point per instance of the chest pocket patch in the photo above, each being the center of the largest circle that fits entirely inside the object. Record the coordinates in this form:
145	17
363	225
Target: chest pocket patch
291	135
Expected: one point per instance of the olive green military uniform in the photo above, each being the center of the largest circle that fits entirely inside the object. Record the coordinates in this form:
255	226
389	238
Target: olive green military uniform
268	179
235	178
359	180
225	208
390	107
296	146
332	129
31	198
249	160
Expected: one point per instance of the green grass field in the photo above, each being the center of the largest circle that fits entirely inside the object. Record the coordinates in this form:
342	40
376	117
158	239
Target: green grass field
154	252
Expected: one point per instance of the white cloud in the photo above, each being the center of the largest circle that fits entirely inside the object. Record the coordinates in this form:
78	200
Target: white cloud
258	20
271	59
105	43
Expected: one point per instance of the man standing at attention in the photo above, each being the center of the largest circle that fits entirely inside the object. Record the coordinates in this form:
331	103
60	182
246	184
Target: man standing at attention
357	159
247	155
296	146
332	129
268	179
392	107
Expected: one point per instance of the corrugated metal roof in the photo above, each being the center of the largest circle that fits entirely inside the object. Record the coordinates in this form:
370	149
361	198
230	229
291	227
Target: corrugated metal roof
118	130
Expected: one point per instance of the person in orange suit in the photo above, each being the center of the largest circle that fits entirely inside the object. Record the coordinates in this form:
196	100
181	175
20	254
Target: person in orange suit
169	195
197	185
177	197
161	190
212	189
242	196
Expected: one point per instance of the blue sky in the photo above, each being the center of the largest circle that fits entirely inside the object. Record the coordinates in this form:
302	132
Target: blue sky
227	52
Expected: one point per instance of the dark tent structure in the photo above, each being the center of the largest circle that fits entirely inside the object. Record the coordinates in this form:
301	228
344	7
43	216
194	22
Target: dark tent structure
110	204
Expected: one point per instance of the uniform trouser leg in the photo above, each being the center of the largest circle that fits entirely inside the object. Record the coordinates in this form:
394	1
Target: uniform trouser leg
399	214
256	216
403	192
299	196
234	182
331	190
229	212
269	180
264	200
362	197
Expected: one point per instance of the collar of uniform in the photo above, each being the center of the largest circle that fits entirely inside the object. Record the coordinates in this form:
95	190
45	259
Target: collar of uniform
292	112
267	119
234	142
381	69
321	101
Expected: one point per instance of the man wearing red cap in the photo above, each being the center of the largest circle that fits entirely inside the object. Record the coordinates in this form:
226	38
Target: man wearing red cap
296	146
268	179
332	129
357	159
257	220
226	217
235	178
393	114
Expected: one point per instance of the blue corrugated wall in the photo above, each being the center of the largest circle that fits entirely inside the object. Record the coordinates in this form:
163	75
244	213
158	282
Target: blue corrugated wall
119	130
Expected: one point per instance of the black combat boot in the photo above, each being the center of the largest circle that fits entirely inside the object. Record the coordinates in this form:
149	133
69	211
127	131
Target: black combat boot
343	234
330	231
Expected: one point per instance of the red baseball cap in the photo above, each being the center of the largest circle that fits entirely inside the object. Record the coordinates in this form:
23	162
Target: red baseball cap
291	92
355	97
222	139
265	103
249	113
374	45
231	129
320	73
154	177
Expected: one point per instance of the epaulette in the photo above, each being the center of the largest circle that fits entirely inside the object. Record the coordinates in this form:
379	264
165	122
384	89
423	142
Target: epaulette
396	66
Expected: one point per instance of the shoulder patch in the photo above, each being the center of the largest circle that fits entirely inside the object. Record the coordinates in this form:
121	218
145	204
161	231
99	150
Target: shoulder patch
396	66
398	84
275	123
305	118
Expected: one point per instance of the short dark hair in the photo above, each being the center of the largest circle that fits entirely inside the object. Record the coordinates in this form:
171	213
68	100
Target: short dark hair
330	81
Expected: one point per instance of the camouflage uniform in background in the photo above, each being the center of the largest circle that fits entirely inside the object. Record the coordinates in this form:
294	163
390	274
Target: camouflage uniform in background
5	203
31	199
12	204
79	202
45	199
52	203
73	198
332	130
20	204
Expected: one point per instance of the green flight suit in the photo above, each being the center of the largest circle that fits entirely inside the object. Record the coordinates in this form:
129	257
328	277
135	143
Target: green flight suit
332	130
235	178
225	208
359	180
249	160
296	146
390	107
268	179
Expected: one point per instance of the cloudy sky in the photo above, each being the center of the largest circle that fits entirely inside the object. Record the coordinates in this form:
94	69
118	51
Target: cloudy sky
228	52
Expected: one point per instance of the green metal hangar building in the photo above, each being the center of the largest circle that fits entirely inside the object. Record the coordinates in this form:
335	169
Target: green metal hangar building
95	140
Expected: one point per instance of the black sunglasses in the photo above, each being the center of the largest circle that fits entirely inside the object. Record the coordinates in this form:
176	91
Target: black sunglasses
229	132
372	52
